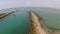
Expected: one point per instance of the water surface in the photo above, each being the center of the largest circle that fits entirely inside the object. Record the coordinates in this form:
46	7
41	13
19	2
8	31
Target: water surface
19	24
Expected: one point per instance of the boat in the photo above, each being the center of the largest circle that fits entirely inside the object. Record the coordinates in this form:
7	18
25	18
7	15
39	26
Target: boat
36	27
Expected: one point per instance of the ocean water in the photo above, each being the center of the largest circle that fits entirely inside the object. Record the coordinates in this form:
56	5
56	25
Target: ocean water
19	24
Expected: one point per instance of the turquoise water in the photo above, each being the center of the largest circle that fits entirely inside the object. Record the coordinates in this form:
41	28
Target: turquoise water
19	24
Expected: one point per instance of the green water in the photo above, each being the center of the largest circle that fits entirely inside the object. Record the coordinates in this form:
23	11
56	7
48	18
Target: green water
19	24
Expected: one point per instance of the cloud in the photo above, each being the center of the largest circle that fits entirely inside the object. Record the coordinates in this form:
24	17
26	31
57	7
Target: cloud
14	3
46	3
29	3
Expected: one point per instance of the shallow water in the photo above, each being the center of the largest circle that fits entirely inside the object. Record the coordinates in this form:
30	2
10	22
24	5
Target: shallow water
19	24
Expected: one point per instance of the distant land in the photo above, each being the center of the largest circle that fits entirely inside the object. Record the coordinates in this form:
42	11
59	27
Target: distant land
19	8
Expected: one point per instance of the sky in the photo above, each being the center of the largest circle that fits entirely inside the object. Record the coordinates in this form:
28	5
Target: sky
29	3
